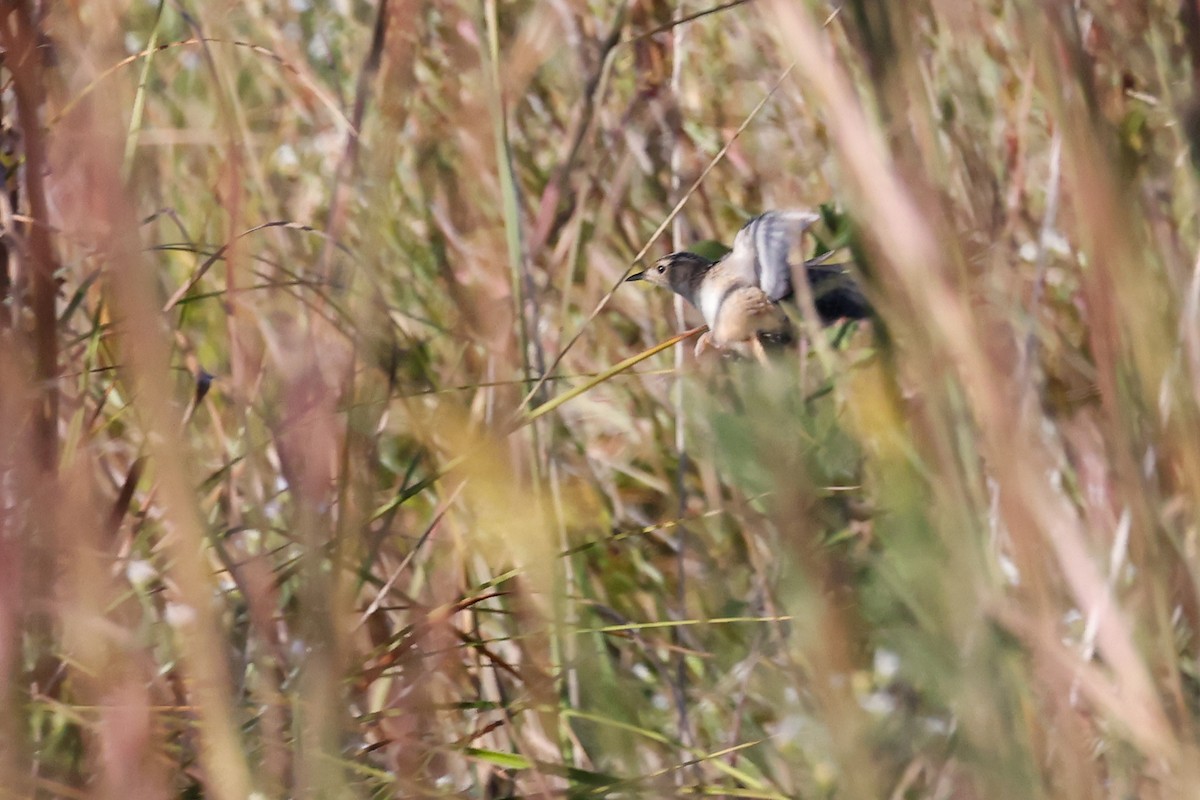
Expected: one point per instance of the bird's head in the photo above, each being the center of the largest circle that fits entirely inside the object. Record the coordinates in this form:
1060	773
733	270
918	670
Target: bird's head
680	272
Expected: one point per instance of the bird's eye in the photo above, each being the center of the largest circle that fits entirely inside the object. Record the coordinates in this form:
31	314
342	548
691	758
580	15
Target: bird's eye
662	268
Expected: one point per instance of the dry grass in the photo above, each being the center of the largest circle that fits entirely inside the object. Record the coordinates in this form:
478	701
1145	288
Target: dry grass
419	538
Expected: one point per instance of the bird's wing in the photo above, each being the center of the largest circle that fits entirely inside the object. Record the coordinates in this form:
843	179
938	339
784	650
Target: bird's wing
765	248
836	294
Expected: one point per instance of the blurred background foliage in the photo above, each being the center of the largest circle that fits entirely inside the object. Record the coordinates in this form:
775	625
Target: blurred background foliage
316	478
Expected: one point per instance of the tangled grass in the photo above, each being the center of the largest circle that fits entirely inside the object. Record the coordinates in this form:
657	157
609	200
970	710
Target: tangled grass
335	460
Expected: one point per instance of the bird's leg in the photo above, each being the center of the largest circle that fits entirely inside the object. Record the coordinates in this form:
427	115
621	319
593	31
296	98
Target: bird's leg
760	352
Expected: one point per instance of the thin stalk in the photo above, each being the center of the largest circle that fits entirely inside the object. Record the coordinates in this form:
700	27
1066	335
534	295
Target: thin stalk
678	395
139	97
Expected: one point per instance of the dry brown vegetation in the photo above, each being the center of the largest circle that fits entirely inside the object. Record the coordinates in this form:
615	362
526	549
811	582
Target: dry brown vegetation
448	521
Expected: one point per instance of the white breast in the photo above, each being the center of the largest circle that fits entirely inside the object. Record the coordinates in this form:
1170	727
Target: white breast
711	295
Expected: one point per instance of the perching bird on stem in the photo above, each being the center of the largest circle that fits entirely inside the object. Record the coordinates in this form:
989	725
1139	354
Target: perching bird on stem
739	294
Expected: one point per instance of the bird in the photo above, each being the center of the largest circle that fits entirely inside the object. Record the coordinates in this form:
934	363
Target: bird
739	294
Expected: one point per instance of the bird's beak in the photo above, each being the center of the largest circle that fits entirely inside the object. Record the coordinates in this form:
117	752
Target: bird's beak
637	276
